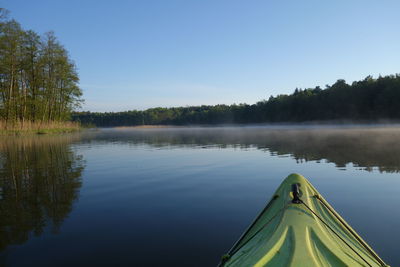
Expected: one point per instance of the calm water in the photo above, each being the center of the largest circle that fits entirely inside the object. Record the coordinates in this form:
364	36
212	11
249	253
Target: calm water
182	196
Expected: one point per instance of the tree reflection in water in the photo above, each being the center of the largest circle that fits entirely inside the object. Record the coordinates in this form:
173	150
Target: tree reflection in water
365	147
40	178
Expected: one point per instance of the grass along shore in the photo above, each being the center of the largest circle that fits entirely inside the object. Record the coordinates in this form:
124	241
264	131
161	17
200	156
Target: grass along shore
29	127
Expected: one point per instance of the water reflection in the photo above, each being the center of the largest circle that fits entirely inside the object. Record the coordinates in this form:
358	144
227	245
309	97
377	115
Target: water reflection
134	176
40	178
365	147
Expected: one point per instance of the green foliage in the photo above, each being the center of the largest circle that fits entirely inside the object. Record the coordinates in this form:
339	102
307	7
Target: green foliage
368	99
38	80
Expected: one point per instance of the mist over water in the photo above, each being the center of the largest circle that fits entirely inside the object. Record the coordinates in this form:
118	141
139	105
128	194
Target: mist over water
365	147
181	196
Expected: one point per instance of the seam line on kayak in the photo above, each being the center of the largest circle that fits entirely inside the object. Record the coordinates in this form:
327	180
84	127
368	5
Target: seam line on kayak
330	228
352	232
247	230
262	227
230	253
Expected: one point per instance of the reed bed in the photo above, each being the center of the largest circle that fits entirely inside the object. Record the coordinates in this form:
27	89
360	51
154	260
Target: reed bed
31	127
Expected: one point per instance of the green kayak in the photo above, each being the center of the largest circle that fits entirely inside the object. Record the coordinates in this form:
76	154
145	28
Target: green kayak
299	228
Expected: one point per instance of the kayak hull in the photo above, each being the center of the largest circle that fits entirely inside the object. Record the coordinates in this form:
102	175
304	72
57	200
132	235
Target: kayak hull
306	233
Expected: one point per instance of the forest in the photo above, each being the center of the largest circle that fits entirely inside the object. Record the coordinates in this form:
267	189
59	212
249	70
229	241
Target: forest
369	99
39	84
38	80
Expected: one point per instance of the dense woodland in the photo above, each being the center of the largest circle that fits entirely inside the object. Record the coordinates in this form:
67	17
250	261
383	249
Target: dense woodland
38	80
368	99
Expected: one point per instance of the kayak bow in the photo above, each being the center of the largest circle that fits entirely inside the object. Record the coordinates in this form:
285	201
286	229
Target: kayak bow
299	228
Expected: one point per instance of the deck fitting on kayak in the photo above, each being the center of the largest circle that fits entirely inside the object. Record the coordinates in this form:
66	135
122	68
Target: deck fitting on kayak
296	194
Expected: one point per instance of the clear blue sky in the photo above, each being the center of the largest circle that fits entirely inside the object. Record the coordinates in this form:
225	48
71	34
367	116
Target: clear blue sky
140	54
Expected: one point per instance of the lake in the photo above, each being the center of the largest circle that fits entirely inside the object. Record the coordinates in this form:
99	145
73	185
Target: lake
182	196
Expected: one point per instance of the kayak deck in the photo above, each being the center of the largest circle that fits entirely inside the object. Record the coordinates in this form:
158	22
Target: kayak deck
306	233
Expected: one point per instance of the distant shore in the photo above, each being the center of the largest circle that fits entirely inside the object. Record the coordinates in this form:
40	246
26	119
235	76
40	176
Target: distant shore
308	125
145	126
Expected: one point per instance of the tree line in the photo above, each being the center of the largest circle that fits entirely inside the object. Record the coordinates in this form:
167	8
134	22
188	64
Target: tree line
38	80
367	99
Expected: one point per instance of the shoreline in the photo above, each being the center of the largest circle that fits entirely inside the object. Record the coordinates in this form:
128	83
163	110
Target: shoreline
147	126
38	128
308	124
